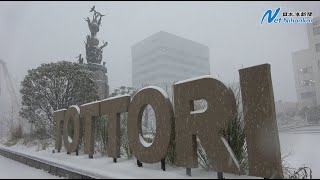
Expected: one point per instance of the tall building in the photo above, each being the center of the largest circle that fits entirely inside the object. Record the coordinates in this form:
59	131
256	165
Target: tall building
306	67
164	58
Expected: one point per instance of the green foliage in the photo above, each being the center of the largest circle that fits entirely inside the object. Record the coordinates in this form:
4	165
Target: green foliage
171	156
235	137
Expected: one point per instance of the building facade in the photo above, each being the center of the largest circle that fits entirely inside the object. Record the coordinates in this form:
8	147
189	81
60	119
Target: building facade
306	67
163	59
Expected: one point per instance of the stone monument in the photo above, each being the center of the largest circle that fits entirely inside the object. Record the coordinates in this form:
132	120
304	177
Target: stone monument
94	54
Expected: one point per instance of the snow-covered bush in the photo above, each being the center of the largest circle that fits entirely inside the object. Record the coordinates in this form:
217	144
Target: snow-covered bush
54	86
16	133
290	172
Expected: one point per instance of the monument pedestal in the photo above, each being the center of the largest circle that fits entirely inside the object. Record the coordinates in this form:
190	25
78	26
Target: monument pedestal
99	72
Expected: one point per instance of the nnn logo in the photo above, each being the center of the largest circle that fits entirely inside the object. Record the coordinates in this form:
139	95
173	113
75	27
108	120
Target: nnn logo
271	18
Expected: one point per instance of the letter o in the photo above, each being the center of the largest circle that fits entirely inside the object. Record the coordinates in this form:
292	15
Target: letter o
162	107
74	113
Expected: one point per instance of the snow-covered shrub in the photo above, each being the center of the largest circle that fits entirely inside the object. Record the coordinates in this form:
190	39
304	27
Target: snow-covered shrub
16	133
290	172
54	86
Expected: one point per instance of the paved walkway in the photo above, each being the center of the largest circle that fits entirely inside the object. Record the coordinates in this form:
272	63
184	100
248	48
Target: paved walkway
10	169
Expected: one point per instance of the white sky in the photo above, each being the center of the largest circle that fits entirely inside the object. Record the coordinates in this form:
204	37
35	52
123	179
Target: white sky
32	33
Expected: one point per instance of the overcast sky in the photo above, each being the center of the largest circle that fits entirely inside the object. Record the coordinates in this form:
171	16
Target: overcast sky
32	33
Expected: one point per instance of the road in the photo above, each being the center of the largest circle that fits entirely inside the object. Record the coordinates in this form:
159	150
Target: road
10	169
302	129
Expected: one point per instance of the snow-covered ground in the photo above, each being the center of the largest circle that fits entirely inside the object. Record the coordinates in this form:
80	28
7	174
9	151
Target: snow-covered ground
103	167
305	149
10	169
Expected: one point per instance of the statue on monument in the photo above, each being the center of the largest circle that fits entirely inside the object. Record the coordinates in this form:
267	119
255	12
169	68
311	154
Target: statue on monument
95	23
93	51
99	22
104	45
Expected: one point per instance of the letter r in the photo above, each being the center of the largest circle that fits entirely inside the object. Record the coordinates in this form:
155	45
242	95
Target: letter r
207	126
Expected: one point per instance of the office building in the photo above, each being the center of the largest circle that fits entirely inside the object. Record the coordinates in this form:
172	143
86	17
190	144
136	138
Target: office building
306	67
164	58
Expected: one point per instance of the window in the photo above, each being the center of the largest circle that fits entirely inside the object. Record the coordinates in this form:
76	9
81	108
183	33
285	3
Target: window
318	47
309	82
308	95
316	30
306	70
163	49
